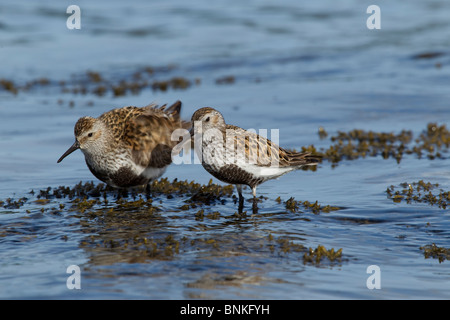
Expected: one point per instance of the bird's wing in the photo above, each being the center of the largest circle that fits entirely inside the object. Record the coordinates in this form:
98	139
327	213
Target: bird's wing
149	133
263	152
254	147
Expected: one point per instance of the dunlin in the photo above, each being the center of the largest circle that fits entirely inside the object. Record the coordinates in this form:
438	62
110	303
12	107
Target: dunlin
129	146
237	156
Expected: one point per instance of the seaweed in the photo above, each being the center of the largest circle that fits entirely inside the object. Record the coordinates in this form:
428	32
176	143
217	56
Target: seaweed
100	84
419	192
435	252
318	255
357	143
294	206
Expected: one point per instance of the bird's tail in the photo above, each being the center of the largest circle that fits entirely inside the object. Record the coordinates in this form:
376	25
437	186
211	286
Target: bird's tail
174	109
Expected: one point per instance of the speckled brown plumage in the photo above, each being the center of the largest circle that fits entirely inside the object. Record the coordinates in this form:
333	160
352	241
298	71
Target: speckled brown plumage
128	146
234	155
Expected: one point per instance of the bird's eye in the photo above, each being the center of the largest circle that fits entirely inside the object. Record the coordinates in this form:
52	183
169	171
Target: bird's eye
90	134
207	119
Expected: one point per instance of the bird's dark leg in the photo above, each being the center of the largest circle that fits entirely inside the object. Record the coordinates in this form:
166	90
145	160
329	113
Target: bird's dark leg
255	201
148	190
241	197
122	193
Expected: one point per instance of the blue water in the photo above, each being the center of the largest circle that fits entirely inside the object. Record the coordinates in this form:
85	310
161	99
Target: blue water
296	67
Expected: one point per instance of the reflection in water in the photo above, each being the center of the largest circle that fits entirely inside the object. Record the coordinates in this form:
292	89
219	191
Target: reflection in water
140	230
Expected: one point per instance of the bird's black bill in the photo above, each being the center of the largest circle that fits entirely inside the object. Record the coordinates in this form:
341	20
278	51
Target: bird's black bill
74	147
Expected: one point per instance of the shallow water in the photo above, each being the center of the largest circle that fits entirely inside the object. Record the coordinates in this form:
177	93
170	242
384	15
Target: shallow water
294	67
